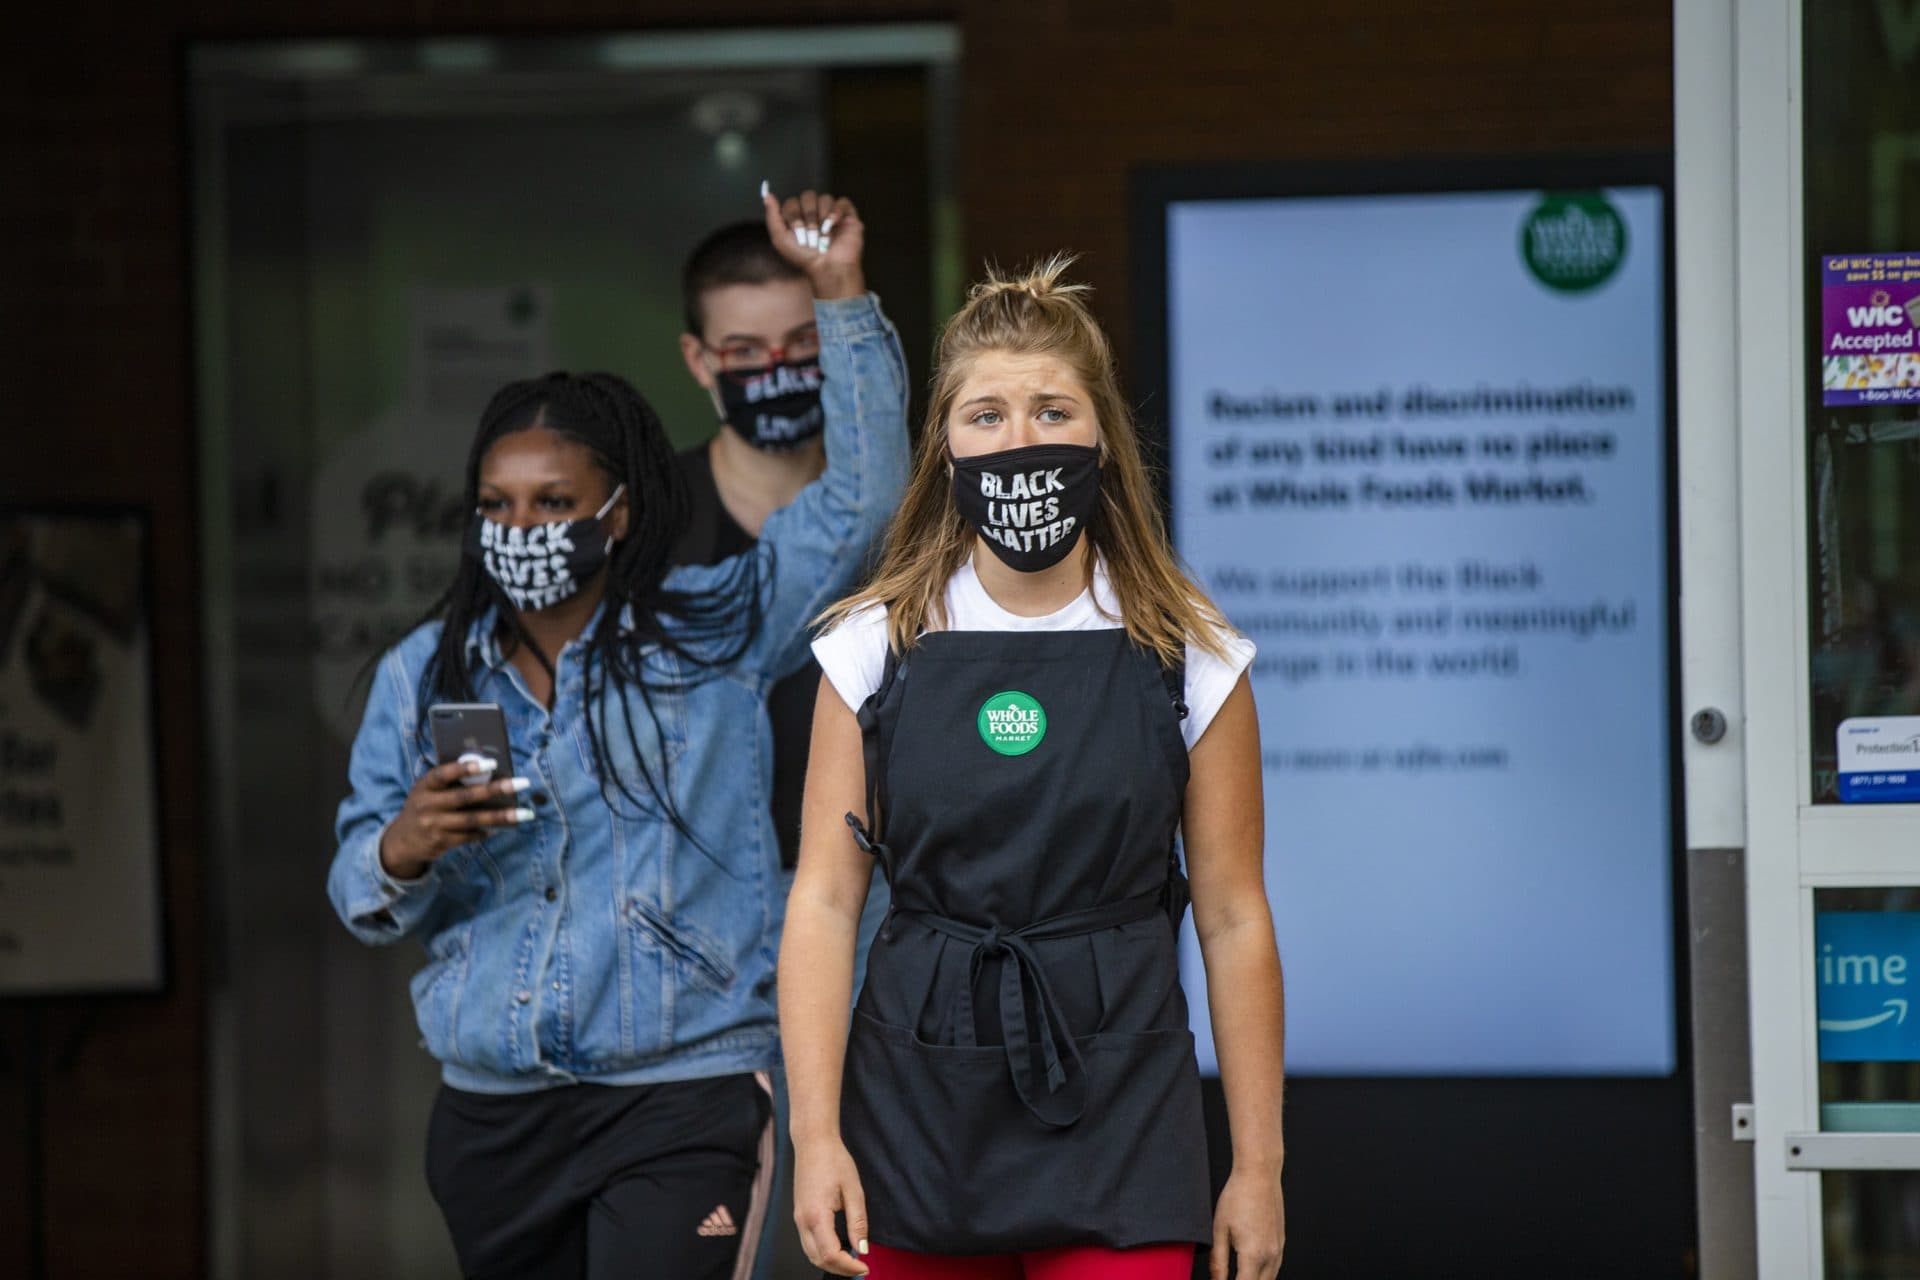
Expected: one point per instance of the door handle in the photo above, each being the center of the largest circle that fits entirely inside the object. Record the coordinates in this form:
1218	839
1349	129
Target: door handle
1816	1151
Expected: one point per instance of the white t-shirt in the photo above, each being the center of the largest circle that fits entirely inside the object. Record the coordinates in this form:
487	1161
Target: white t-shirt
854	654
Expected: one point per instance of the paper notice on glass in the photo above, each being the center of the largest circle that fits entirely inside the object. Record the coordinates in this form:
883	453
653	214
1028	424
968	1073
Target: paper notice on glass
468	343
1870	328
1879	759
79	845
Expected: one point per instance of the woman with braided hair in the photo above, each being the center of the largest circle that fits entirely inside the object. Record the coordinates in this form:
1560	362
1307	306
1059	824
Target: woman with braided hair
601	927
1017	714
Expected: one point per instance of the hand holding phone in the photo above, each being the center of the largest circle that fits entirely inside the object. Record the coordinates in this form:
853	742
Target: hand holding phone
460	799
474	732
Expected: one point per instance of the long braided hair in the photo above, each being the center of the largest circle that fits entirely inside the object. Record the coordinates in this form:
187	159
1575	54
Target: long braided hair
648	639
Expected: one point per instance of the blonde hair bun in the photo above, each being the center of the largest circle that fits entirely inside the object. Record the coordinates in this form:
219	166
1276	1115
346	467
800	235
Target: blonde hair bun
1042	280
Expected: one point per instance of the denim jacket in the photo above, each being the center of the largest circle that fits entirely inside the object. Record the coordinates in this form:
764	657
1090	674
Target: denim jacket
597	942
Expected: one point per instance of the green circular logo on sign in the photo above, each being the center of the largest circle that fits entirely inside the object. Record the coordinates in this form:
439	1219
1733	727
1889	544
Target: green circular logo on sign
1573	241
1012	723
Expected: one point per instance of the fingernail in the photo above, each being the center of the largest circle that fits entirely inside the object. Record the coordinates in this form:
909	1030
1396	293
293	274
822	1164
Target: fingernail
826	243
519	784
862	1246
813	238
765	190
826	226
523	815
482	766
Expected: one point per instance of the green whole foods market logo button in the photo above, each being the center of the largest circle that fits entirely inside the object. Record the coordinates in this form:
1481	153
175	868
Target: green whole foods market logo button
1012	723
1573	241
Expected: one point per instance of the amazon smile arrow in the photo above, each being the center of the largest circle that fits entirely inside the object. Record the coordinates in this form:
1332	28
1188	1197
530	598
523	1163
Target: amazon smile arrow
1896	1009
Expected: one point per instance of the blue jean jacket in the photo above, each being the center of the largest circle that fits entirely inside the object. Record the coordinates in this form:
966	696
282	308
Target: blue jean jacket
597	942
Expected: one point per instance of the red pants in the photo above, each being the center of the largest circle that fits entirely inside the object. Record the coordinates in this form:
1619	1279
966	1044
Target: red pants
1149	1262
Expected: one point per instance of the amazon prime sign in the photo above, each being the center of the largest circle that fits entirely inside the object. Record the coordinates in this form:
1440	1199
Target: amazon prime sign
1866	964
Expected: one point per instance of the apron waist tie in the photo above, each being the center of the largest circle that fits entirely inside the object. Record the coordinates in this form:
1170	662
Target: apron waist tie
1022	972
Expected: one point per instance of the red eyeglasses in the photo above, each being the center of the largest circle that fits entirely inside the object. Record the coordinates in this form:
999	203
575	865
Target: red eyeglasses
745	360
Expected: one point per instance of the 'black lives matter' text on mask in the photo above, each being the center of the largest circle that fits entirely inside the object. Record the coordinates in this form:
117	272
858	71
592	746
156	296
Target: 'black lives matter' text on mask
540	565
1030	504
775	408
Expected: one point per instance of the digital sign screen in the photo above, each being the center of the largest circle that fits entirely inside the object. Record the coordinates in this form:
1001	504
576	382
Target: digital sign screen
1417	451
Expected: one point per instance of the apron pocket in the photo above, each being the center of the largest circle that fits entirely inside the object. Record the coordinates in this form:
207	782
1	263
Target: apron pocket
1138	965
952	1162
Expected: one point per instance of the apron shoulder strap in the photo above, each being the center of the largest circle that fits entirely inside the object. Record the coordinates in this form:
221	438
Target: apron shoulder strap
876	733
1174	676
888	670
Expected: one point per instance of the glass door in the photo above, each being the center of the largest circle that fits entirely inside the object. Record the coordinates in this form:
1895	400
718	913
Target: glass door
386	232
1860	267
1827	388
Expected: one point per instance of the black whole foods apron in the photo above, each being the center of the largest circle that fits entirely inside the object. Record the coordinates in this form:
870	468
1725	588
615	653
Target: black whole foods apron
1019	1073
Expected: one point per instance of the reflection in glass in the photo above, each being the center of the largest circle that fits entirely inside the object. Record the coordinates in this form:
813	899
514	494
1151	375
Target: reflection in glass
385	232
1863	1096
1872	1225
1871	1219
1862	167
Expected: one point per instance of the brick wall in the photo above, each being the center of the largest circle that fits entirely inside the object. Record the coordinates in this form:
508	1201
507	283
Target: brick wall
1061	99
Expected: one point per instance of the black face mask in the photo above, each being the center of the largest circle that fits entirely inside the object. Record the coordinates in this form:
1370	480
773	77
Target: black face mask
541	565
775	408
1029	504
